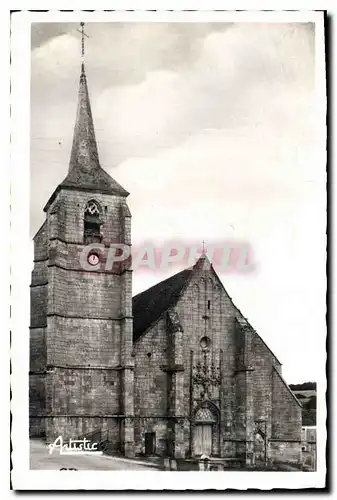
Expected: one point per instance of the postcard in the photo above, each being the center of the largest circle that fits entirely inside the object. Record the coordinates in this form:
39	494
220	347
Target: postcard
168	294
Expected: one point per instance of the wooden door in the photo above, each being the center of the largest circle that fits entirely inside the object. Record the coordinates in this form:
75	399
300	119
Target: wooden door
198	440
203	439
150	443
207	439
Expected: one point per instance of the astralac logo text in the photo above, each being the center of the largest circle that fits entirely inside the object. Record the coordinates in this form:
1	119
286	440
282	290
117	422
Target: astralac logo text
74	447
229	256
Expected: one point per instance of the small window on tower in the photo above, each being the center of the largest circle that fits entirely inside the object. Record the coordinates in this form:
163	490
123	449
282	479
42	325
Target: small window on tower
92	222
208	304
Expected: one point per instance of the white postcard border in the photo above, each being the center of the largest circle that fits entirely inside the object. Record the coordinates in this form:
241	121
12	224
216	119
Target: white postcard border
24	478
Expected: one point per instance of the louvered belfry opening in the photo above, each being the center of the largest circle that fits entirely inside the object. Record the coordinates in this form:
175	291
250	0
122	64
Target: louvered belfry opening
92	223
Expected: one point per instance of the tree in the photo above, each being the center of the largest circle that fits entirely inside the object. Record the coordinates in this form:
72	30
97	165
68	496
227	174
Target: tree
308	417
300	396
306	386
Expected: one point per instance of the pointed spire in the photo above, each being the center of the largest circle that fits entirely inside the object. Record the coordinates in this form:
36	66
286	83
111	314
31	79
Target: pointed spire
84	152
85	172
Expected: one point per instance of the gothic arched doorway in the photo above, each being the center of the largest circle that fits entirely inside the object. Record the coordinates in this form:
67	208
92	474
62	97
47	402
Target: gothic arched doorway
204	420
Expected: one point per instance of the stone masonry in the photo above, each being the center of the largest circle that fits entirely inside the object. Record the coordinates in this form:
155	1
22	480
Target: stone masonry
211	358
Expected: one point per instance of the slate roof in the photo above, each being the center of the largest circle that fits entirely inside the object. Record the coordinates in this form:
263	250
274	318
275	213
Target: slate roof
85	172
148	306
93	180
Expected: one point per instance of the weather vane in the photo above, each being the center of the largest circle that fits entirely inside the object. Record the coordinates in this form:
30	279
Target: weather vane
82	46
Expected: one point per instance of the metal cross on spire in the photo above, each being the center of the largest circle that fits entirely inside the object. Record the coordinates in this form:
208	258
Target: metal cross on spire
82	41
203	246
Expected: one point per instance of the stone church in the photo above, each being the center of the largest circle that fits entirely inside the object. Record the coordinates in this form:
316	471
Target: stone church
175	371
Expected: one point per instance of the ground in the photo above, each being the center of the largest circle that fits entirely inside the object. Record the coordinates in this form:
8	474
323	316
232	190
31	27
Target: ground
41	459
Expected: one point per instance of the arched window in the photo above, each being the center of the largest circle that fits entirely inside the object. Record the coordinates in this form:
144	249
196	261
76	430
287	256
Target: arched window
92	222
204	415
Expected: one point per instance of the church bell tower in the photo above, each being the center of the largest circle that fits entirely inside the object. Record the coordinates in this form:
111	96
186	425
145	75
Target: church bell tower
81	368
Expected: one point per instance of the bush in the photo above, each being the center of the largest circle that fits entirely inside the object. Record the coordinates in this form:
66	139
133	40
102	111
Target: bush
311	404
308	417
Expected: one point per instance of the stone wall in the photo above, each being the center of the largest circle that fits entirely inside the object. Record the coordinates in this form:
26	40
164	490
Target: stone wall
77	426
37	394
150	353
37	427
151	387
38	350
157	425
99	341
309	448
286	411
285	451
85	391
262	361
37	343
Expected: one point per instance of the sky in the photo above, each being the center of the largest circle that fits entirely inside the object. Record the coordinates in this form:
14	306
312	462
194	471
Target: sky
213	130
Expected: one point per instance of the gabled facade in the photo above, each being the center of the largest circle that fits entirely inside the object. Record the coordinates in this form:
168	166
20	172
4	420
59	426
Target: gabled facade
205	382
